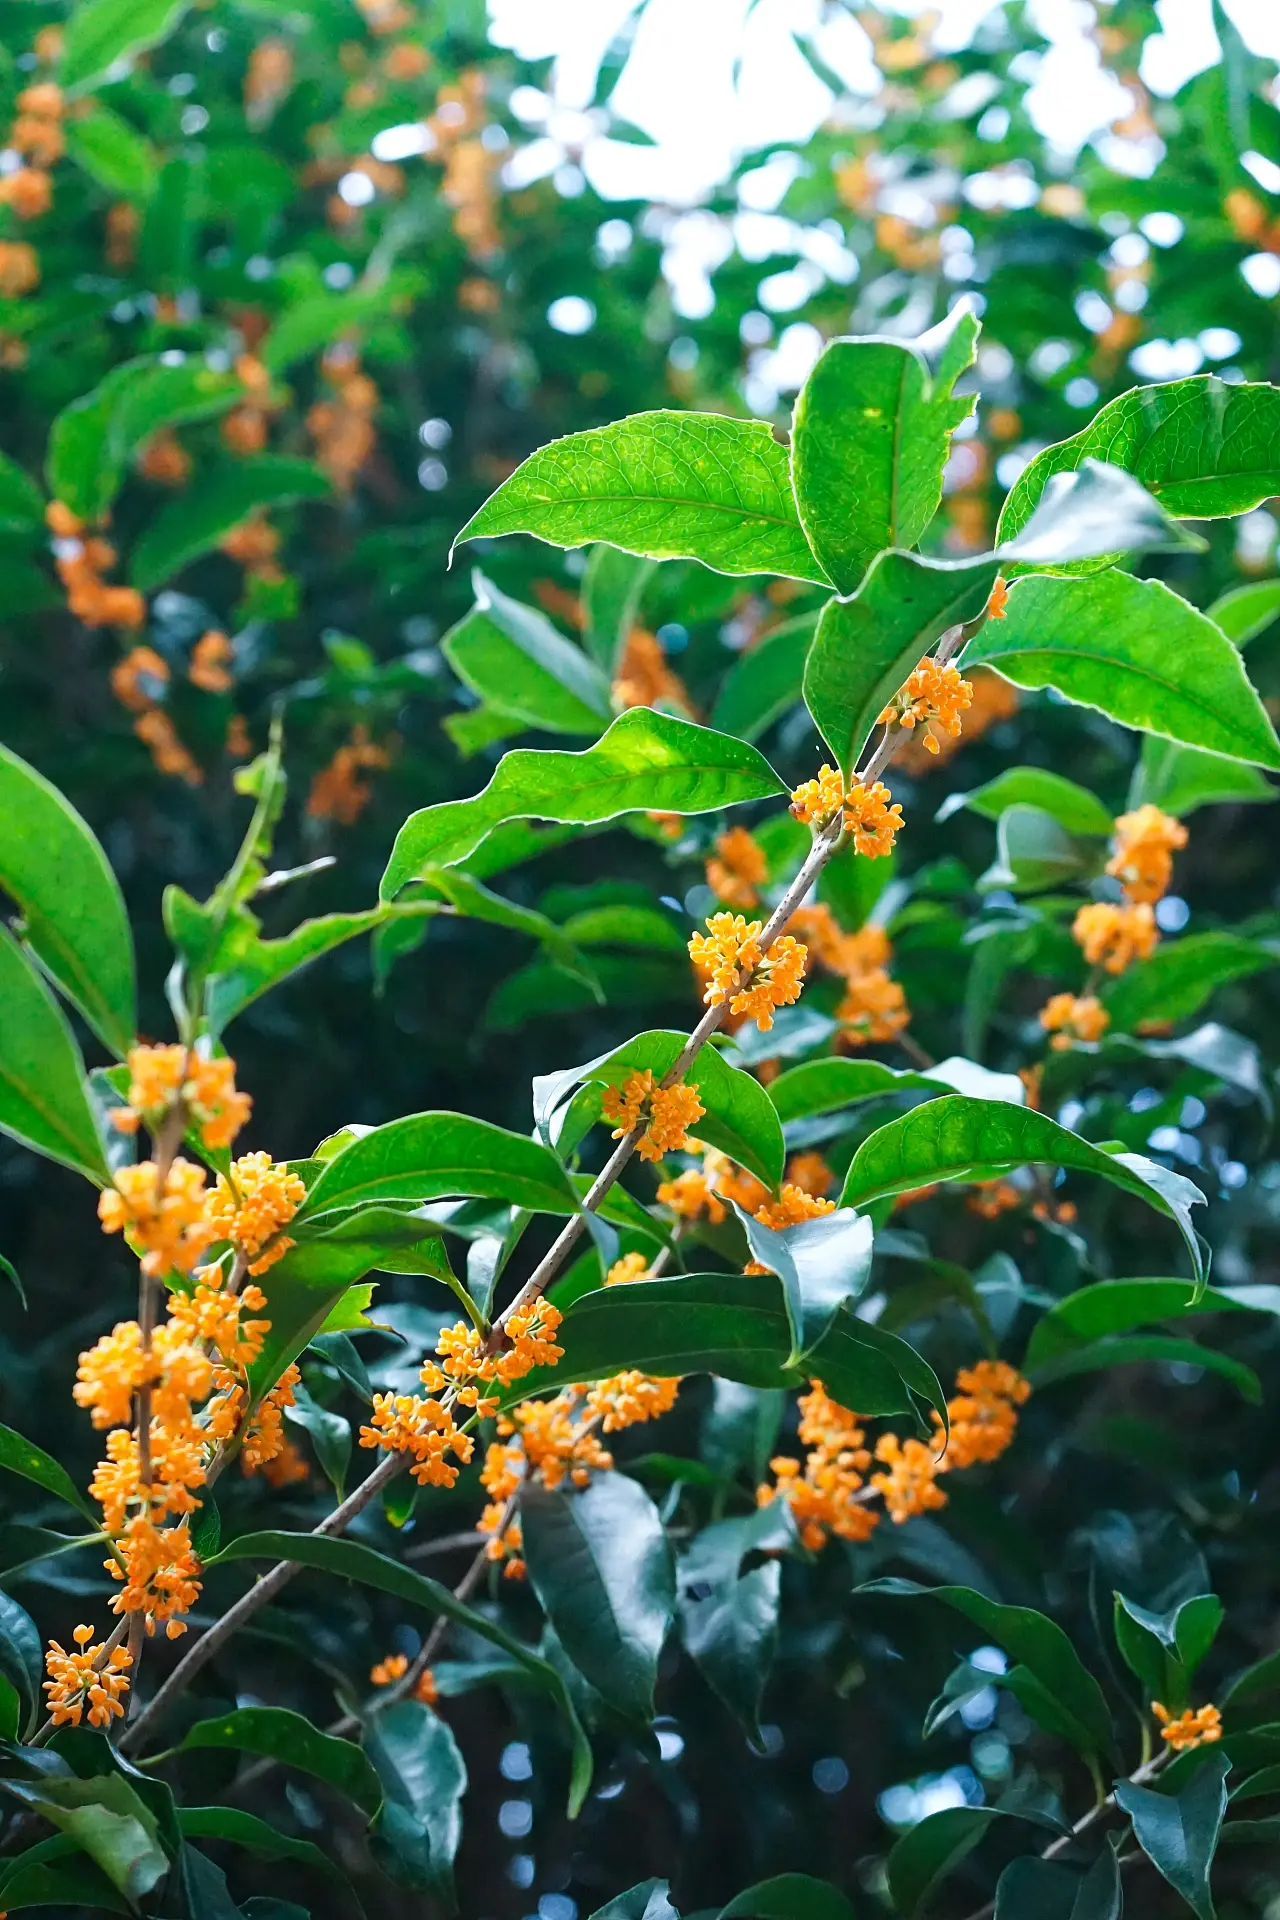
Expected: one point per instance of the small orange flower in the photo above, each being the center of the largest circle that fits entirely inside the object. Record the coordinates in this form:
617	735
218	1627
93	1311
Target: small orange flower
644	679
1113	937
1070	1018
91	1678
632	1266
689	1195
29	191
665	1113
910	1486
172	1228
139	679
873	823
817	801
998	604
388	1671
933	696
737	869
210	658
792	1206
629	1398
337	792
810	1172
1145	842
1194	1728
830	1495
250	1208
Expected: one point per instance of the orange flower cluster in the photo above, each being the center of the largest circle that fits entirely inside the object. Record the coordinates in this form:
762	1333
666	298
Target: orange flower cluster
868	815
138	682
342	428
628	1399
991	1198
37	134
1145	842
91	1678
1198	1727
933	696
470	170
1070	1017
211	658
394	1667
1112	936
244	428
832	1494
728	955
644	679
254	545
690	1195
159	1077
170	1226
268	78
250	1207
81	559
264	1444
737	868
792	1207
165	460
810	1173
337	792
665	1113
632	1266
874	1007
19	269
992	700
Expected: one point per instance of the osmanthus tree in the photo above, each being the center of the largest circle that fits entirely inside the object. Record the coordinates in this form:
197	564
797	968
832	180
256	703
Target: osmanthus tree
753	1260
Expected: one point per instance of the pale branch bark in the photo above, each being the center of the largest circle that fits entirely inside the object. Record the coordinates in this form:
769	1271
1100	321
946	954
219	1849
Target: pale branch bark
825	845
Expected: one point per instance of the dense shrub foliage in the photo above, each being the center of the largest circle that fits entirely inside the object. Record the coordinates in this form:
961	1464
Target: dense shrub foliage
811	1457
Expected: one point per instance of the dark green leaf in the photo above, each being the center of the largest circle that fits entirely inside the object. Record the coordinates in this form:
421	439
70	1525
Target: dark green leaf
696	486
54	1873
729	1620
872	431
821	1264
277	1733
426	1156
1137	652
354	1561
73	911
1179	978
21	1456
330	1436
1178	1832
423	1778
600	1565
648	1901
766	681
21	1657
1043	1890
823	1086
929	1851
791	1896
226	496
103	32
1116	1306
514	659
107	1819
645	762
21	501
1072	806
1040	1647
959	1139
1203	448
1141	1349
1163	1650
43	1101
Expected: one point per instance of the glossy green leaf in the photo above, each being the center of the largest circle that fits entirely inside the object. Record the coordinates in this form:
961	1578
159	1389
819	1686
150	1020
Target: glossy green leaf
1179	1832
791	1896
54	1873
277	1733
728	1619
1043	1890
1041	1648
241	1829
423	1777
927	1852
600	1565
113	153
766	681
1034	853
42	1096
1072	806
1201	447
428	1156
1163	1650
739	1119
514	659
824	1086
352	1560
645	762
23	1457
648	1901
73	912
226	496
959	1138
330	1435
21	1657
1245	612
697	486
108	1820
1180	779
1143	1349
21	501
617	981
1180	977
1116	1306
821	1264
1137	652
636	928
102	33
612	588
870	439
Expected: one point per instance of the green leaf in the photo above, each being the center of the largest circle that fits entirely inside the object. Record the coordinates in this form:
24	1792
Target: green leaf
1178	1832
1072	806
821	1264
92	440
766	681
740	1119
1116	1306
963	1139
74	914
791	1896
21	1657
543	987
244	965
310	324
612	588
1041	1650
103	32
226	496
1202	448
1137	652
648	1901
636	928
424	1778
872	431
729	1620
1245	612
514	659
600	1565
43	1101
1165	1349
428	1156
824	1086
54	1873
21	501
277	1733
1051	1892
241	1829
175	215
1163	1650
21	1456
1034	853
645	762
354	1561
107	1819
113	153
1180	779
330	1436
670	486
1177	979
927	1852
